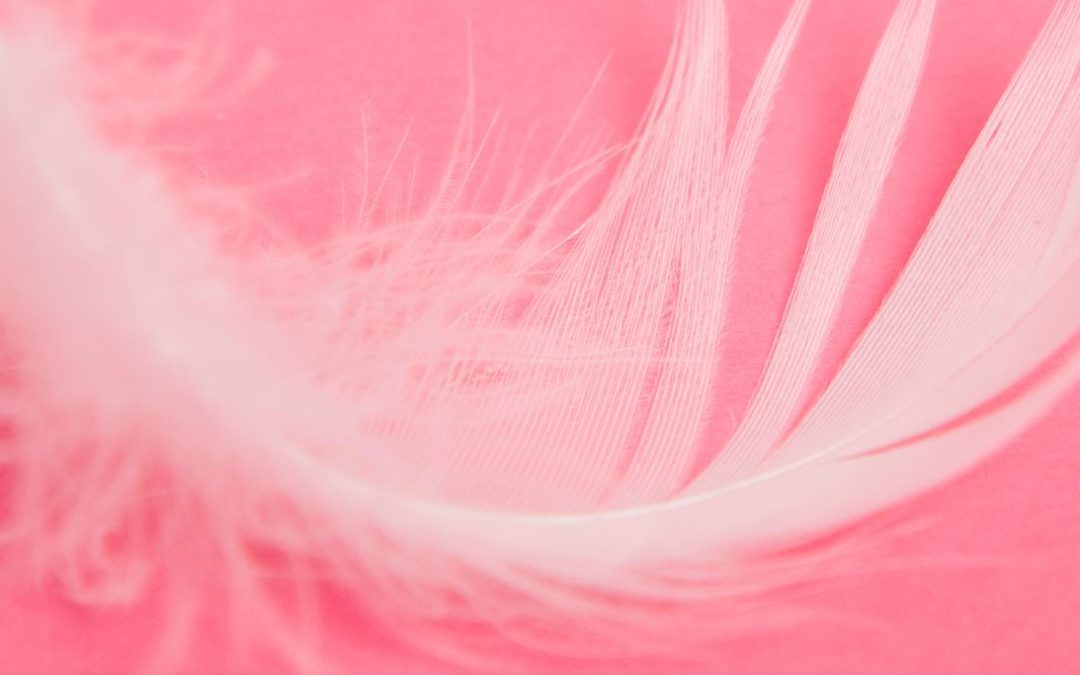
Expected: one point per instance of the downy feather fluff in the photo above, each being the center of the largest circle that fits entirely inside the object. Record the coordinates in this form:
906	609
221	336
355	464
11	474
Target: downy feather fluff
491	429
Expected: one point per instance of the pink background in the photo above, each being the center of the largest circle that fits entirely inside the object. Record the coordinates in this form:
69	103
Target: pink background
990	582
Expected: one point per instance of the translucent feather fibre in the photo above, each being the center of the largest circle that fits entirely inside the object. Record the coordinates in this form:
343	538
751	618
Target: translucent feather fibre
491	431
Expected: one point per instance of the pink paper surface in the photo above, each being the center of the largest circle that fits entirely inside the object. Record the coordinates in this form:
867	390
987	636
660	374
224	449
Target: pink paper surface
990	581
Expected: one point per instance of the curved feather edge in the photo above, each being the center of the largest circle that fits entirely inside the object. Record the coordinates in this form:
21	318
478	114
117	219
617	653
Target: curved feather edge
171	388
